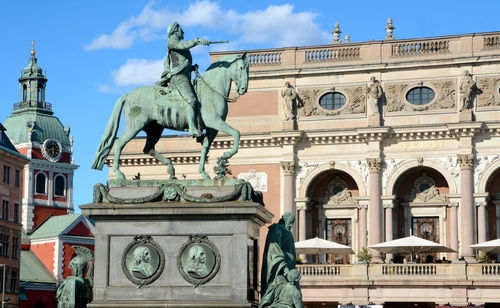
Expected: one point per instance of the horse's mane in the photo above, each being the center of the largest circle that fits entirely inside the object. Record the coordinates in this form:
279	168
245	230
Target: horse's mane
225	61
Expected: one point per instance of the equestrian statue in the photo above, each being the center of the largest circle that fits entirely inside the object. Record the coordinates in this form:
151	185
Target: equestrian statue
175	103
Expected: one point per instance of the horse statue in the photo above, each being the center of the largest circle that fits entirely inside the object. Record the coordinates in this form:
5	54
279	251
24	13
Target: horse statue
151	111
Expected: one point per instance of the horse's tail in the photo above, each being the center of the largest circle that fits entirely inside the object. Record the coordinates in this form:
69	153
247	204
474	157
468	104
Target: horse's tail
108	138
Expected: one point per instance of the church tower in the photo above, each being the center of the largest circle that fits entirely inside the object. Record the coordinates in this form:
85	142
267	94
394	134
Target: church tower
39	135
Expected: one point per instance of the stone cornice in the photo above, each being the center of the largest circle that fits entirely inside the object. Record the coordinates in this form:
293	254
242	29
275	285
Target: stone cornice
149	161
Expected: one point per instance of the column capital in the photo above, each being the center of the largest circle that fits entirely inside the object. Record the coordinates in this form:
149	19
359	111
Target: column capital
466	161
374	164
288	167
453	204
482	203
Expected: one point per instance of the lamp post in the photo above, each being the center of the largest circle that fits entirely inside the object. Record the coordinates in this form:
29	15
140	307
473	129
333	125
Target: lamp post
3	286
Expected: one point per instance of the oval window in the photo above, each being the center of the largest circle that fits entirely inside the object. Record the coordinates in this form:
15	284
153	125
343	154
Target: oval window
420	95
332	100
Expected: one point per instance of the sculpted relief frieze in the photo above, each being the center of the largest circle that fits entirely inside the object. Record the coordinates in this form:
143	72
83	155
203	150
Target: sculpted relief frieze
355	102
488	92
444	96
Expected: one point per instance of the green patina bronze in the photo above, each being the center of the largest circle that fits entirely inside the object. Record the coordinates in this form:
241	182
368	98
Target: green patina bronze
279	278
152	109
76	290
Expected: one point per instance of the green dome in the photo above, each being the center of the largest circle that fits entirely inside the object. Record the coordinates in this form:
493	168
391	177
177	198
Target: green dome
44	125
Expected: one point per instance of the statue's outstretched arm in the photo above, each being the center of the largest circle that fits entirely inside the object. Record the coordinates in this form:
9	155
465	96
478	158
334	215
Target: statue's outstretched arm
183	45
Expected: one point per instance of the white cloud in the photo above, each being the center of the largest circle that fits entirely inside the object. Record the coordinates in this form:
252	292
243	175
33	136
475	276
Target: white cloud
138	72
104	88
276	26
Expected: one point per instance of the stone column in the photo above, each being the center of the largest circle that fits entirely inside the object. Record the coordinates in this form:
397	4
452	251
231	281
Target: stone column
375	208
288	168
482	231
453	229
388	208
362	208
466	162
302	230
301	205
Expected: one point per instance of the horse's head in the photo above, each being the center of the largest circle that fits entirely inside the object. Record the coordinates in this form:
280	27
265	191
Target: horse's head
239	73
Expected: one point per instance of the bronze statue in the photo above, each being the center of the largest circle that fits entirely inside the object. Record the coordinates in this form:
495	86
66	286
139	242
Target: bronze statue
279	279
76	290
147	109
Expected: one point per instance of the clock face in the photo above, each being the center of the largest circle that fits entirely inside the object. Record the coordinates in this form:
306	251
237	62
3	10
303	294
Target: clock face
51	149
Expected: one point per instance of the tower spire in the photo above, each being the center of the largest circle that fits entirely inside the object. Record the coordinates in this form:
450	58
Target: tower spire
33	48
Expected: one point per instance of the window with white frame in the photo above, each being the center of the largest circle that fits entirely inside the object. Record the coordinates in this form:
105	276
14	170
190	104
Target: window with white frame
60	185
41	183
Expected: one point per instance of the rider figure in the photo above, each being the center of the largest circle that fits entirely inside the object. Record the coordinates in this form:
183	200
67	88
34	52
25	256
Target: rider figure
177	68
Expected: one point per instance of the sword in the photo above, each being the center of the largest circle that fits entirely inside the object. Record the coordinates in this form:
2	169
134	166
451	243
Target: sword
218	42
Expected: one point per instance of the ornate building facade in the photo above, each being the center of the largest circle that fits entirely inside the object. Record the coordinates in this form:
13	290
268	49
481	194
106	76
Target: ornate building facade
39	135
367	142
12	164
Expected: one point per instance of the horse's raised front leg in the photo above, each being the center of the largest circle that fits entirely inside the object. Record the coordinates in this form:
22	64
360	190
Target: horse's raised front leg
128	134
220	125
165	160
207	141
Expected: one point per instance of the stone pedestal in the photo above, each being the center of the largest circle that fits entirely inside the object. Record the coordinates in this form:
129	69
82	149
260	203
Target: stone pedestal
226	234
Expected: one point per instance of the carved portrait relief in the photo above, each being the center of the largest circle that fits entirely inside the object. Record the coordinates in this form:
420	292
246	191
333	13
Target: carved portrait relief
198	260
488	94
143	260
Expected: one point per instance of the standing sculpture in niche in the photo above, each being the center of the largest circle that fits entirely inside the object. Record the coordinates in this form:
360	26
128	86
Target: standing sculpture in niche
373	94
279	278
76	290
467	91
289	95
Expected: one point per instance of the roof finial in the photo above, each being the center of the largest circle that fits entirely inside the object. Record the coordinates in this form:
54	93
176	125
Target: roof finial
33	48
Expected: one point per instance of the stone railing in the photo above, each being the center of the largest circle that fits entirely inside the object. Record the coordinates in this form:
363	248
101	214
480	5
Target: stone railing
374	272
372	53
409	269
265	58
491	42
332	54
420	48
319	269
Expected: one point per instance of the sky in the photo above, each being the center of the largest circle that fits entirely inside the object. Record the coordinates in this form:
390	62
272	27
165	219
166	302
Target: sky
94	51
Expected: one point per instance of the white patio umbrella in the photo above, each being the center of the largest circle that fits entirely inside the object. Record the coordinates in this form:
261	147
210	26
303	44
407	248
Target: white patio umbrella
319	246
410	245
492	246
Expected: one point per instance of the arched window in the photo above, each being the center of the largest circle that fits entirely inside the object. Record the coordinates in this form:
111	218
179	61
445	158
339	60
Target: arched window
25	93
420	95
39	95
60	185
332	100
40	183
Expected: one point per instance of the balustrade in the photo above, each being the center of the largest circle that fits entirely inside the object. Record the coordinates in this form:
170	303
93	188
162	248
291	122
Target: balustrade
332	54
420	48
319	270
409	269
267	58
491	42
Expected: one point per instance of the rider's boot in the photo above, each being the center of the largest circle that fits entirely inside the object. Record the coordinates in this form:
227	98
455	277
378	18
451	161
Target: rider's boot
193	128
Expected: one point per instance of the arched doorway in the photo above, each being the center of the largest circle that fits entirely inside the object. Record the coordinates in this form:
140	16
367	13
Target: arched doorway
333	211
421	205
493	219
